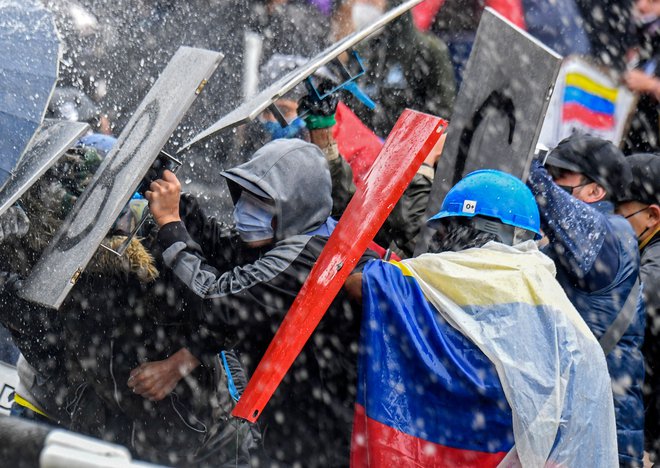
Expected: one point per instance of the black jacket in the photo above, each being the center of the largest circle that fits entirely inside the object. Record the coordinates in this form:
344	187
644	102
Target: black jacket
650	273
247	293
405	68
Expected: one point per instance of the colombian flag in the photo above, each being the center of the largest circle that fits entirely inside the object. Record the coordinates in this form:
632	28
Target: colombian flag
588	102
475	358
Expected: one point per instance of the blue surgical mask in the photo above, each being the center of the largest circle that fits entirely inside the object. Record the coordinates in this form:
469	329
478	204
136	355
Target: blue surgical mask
253	218
293	130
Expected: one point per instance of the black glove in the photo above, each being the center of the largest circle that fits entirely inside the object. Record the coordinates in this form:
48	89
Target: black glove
155	172
318	114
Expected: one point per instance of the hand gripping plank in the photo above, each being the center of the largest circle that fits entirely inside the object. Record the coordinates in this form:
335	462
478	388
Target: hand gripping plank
119	175
410	141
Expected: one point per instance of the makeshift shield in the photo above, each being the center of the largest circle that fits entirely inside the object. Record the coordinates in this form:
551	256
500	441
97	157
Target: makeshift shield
411	140
251	109
8	383
29	58
499	110
50	142
119	175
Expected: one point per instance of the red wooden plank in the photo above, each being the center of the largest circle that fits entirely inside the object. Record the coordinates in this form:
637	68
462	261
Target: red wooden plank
410	141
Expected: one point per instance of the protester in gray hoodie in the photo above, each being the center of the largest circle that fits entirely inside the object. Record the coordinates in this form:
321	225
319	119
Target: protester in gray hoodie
251	275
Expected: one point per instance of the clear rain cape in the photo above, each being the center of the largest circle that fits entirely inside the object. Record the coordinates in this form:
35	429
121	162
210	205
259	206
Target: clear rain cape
550	365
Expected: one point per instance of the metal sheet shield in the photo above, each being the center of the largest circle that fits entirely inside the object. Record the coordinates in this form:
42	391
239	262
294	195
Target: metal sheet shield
50	142
29	61
251	109
119	175
499	110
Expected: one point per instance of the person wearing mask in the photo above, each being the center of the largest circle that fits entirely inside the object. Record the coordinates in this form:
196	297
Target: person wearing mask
14	223
123	310
597	261
466	349
250	274
43	390
641	207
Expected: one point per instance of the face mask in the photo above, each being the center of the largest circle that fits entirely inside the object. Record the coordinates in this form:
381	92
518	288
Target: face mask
363	14
293	130
68	111
641	234
253	218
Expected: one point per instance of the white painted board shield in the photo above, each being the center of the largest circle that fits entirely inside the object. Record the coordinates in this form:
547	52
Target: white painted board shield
118	176
251	109
50	142
589	99
8	383
499	109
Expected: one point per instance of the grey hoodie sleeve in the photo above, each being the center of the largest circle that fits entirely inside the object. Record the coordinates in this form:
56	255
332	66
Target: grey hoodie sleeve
185	258
208	283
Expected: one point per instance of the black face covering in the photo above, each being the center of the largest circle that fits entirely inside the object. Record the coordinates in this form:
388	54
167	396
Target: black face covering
641	234
639	237
454	235
570	188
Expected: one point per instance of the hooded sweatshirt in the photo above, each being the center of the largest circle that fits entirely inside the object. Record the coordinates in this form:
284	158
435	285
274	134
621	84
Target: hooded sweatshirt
247	293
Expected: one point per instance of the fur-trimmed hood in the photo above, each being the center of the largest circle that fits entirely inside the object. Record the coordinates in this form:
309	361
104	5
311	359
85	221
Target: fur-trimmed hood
48	202
136	260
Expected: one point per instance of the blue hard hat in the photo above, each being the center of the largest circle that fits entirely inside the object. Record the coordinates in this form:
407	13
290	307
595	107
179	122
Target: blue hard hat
494	194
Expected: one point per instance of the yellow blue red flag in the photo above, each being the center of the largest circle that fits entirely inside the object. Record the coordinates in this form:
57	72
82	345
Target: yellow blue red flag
477	358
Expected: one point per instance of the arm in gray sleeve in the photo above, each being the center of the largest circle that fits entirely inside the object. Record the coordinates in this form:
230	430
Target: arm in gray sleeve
184	256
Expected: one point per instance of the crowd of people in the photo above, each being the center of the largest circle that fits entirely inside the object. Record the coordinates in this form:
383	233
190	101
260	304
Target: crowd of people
527	334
